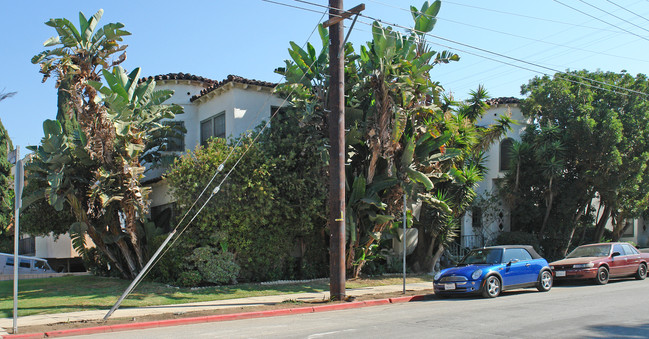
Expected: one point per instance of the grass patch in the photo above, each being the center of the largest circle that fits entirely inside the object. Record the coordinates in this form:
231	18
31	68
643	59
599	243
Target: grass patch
82	293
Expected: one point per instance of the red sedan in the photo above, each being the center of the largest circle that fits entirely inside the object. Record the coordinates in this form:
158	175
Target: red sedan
601	262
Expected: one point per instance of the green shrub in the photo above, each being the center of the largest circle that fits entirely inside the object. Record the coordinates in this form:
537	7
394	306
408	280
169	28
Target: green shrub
269	215
189	279
215	266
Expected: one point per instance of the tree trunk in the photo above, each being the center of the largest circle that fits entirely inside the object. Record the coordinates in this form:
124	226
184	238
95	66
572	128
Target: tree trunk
366	248
548	208
424	250
620	226
436	257
575	222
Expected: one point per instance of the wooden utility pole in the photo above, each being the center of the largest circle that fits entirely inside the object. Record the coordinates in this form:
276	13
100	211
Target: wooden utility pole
337	140
337	152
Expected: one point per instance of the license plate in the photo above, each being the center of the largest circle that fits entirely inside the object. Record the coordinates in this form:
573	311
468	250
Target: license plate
560	273
448	287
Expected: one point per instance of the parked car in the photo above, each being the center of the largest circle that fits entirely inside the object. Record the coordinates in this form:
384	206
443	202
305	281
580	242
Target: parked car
491	270
603	261
28	265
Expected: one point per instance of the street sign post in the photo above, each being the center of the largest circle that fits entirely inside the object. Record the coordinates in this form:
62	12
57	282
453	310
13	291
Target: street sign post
14	158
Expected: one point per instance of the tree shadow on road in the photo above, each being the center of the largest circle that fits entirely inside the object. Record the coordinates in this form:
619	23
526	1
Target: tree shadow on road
620	331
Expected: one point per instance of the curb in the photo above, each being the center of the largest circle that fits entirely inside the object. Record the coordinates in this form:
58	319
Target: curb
214	318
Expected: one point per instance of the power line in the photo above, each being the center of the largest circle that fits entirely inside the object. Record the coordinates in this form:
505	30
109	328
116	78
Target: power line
543	73
502	55
598	19
485	51
541	41
526	16
613	15
627	10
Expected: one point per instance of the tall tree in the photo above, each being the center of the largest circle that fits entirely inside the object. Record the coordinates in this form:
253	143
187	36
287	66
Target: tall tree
90	159
401	139
585	141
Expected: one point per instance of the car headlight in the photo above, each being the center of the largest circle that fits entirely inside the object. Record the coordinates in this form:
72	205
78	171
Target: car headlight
476	274
552	268
589	265
437	276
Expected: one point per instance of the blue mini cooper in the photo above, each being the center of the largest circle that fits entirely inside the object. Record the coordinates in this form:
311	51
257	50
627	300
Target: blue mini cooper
491	270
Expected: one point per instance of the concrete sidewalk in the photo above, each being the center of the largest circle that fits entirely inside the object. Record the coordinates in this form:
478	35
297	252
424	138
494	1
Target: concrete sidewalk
7	323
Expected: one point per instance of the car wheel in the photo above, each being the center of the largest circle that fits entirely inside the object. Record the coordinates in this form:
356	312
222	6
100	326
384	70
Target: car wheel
545	282
642	272
602	276
492	287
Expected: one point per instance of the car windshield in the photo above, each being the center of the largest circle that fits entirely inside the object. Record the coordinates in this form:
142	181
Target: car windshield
483	256
590	251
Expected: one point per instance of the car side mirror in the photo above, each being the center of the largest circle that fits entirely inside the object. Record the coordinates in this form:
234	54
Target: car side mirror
615	254
513	261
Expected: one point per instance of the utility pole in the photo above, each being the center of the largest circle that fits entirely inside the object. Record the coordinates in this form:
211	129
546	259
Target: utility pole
337	140
337	153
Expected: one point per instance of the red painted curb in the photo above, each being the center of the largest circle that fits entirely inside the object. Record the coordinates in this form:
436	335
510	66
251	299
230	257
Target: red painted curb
26	336
335	307
376	302
212	318
407	299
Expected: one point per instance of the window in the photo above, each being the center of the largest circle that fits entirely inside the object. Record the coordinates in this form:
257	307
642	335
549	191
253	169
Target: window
41	265
506	154
176	136
629	250
516	254
476	217
10	262
213	127
25	263
618	248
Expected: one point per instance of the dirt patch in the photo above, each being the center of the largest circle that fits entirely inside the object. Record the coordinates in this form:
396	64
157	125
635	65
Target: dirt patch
166	316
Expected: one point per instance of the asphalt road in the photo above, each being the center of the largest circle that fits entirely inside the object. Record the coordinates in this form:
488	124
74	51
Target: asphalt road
619	309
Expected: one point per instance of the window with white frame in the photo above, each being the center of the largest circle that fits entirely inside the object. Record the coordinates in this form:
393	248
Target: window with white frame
176	138
213	127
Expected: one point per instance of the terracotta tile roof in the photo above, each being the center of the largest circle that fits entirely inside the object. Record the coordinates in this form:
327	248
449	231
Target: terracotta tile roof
178	76
502	100
235	79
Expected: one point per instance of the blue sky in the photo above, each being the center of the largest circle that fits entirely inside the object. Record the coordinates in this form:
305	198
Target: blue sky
250	38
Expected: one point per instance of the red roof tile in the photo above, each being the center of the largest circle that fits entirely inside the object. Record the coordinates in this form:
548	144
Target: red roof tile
235	79
178	76
502	100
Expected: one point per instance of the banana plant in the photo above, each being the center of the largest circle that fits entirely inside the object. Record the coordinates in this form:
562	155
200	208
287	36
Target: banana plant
92	157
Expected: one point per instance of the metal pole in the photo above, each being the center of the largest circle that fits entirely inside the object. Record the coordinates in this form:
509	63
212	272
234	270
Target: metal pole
139	275
403	239
337	154
17	193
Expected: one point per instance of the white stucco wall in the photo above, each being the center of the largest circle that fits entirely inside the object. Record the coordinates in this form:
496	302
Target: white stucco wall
160	194
491	223
183	91
61	247
245	107
251	108
493	154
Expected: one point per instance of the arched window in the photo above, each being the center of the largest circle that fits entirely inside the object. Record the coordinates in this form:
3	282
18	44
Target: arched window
506	154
